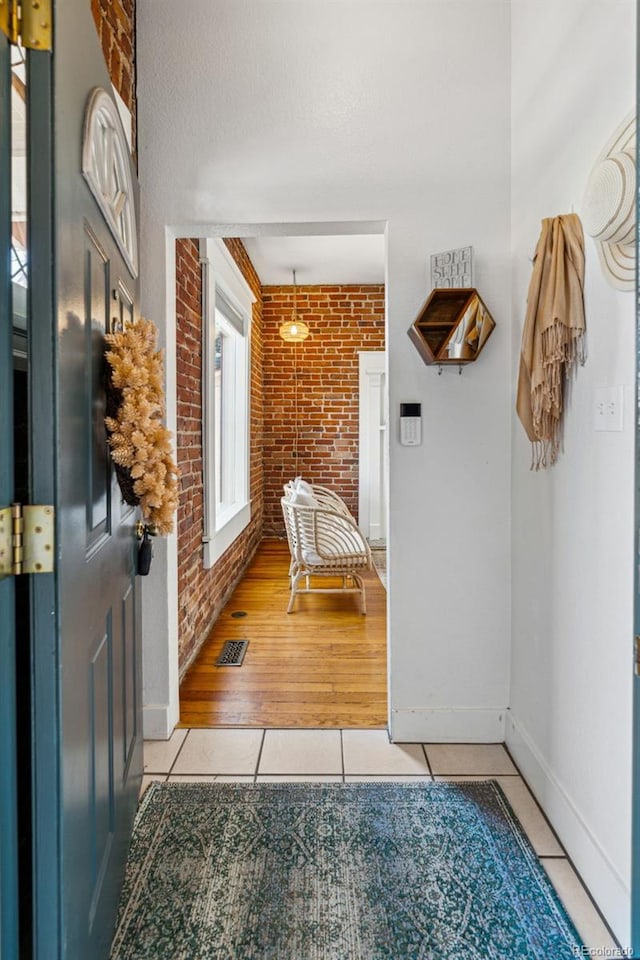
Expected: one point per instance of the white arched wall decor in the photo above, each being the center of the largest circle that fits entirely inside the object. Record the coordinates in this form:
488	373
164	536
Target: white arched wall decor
106	167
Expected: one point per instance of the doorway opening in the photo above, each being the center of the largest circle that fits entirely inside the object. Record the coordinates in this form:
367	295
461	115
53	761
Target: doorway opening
305	419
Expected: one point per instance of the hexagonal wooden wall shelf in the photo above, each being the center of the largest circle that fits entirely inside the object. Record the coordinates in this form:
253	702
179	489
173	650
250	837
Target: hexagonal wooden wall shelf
452	327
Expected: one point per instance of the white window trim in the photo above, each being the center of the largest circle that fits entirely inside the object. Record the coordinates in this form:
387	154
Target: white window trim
220	270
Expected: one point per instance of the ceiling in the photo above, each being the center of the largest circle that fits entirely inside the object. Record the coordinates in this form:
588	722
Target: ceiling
316	260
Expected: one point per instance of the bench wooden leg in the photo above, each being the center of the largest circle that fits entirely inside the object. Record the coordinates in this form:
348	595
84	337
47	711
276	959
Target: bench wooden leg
294	588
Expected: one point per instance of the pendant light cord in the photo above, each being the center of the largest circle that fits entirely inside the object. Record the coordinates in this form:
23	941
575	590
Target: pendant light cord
295	409
295	382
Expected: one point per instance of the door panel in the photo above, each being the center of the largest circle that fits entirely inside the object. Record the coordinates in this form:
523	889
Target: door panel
102	821
96	322
126	676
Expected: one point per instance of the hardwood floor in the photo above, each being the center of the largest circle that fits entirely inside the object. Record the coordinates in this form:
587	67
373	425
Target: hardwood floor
324	665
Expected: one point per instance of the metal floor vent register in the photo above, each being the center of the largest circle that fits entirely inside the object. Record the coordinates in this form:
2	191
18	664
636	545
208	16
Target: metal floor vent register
232	653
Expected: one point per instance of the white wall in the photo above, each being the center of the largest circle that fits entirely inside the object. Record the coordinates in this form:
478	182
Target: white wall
307	110
573	81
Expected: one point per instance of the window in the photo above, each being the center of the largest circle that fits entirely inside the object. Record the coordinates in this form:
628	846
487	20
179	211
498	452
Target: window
225	414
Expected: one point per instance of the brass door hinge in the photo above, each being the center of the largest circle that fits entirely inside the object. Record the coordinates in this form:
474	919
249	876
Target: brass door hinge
26	539
27	22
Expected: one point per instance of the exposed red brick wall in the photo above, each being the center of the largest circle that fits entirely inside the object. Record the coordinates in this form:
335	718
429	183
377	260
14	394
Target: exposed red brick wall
115	23
202	593
343	321
189	442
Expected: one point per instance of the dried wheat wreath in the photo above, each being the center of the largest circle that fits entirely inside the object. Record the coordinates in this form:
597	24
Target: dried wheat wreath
140	443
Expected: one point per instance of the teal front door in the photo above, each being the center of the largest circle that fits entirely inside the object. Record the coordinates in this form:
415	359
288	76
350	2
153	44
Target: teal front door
99	642
84	661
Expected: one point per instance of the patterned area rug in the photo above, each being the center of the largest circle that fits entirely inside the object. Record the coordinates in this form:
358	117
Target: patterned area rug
373	871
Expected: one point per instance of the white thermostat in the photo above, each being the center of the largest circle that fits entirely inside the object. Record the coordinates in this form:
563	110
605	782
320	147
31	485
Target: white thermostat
410	424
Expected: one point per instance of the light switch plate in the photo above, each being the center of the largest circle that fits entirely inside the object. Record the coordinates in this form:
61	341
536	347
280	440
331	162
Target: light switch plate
607	408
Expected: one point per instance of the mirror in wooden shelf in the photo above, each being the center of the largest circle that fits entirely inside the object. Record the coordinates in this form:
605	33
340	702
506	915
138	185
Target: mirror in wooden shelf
452	327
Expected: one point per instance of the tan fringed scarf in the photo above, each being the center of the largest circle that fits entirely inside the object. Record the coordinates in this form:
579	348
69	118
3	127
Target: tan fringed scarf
553	338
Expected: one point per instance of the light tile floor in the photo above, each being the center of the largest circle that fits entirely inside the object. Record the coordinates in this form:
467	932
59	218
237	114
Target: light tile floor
270	756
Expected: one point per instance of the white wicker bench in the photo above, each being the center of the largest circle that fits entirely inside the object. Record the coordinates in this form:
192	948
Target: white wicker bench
324	542
324	496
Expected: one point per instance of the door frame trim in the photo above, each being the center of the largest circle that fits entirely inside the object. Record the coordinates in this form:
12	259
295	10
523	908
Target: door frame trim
372	366
45	634
9	925
635	735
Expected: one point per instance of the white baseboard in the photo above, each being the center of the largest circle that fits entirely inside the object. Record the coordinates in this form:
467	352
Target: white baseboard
599	873
448	725
158	723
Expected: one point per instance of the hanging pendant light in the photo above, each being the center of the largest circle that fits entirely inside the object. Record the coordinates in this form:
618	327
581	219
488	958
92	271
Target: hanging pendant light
294	330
